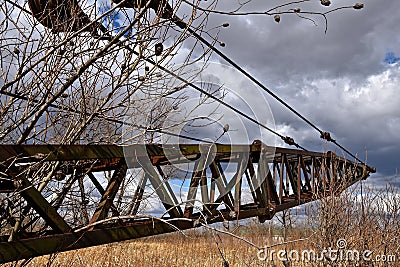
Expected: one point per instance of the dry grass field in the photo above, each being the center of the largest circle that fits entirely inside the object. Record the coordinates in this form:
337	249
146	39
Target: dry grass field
195	248
170	250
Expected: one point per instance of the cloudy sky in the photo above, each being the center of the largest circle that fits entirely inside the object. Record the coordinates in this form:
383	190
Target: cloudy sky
346	81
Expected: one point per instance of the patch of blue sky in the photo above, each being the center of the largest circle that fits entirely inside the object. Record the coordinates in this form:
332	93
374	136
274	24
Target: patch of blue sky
114	20
391	58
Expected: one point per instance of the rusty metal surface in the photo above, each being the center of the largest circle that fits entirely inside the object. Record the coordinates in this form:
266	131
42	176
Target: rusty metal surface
47	190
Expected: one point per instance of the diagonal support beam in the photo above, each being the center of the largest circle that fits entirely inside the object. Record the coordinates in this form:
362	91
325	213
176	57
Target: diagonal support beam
194	183
238	182
138	196
101	190
162	191
107	199
220	181
42	206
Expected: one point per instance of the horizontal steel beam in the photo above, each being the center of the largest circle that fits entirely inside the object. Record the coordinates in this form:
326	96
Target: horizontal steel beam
156	152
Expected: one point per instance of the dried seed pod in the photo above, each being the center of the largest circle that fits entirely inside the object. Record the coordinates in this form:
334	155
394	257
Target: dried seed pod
222	44
226	128
325	2
297	10
277	18
64	95
16	50
358	6
226	24
71	43
158	49
146	68
141	78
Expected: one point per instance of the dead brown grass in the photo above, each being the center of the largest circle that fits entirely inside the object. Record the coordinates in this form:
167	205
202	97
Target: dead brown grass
168	250
195	248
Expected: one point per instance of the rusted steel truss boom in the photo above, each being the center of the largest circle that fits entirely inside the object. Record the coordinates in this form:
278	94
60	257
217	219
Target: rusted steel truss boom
62	197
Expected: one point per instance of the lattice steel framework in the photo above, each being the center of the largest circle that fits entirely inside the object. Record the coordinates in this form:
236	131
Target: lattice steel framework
53	199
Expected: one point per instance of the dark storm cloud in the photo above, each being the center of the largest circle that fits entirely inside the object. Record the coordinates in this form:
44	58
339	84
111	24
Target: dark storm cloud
355	44
339	80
